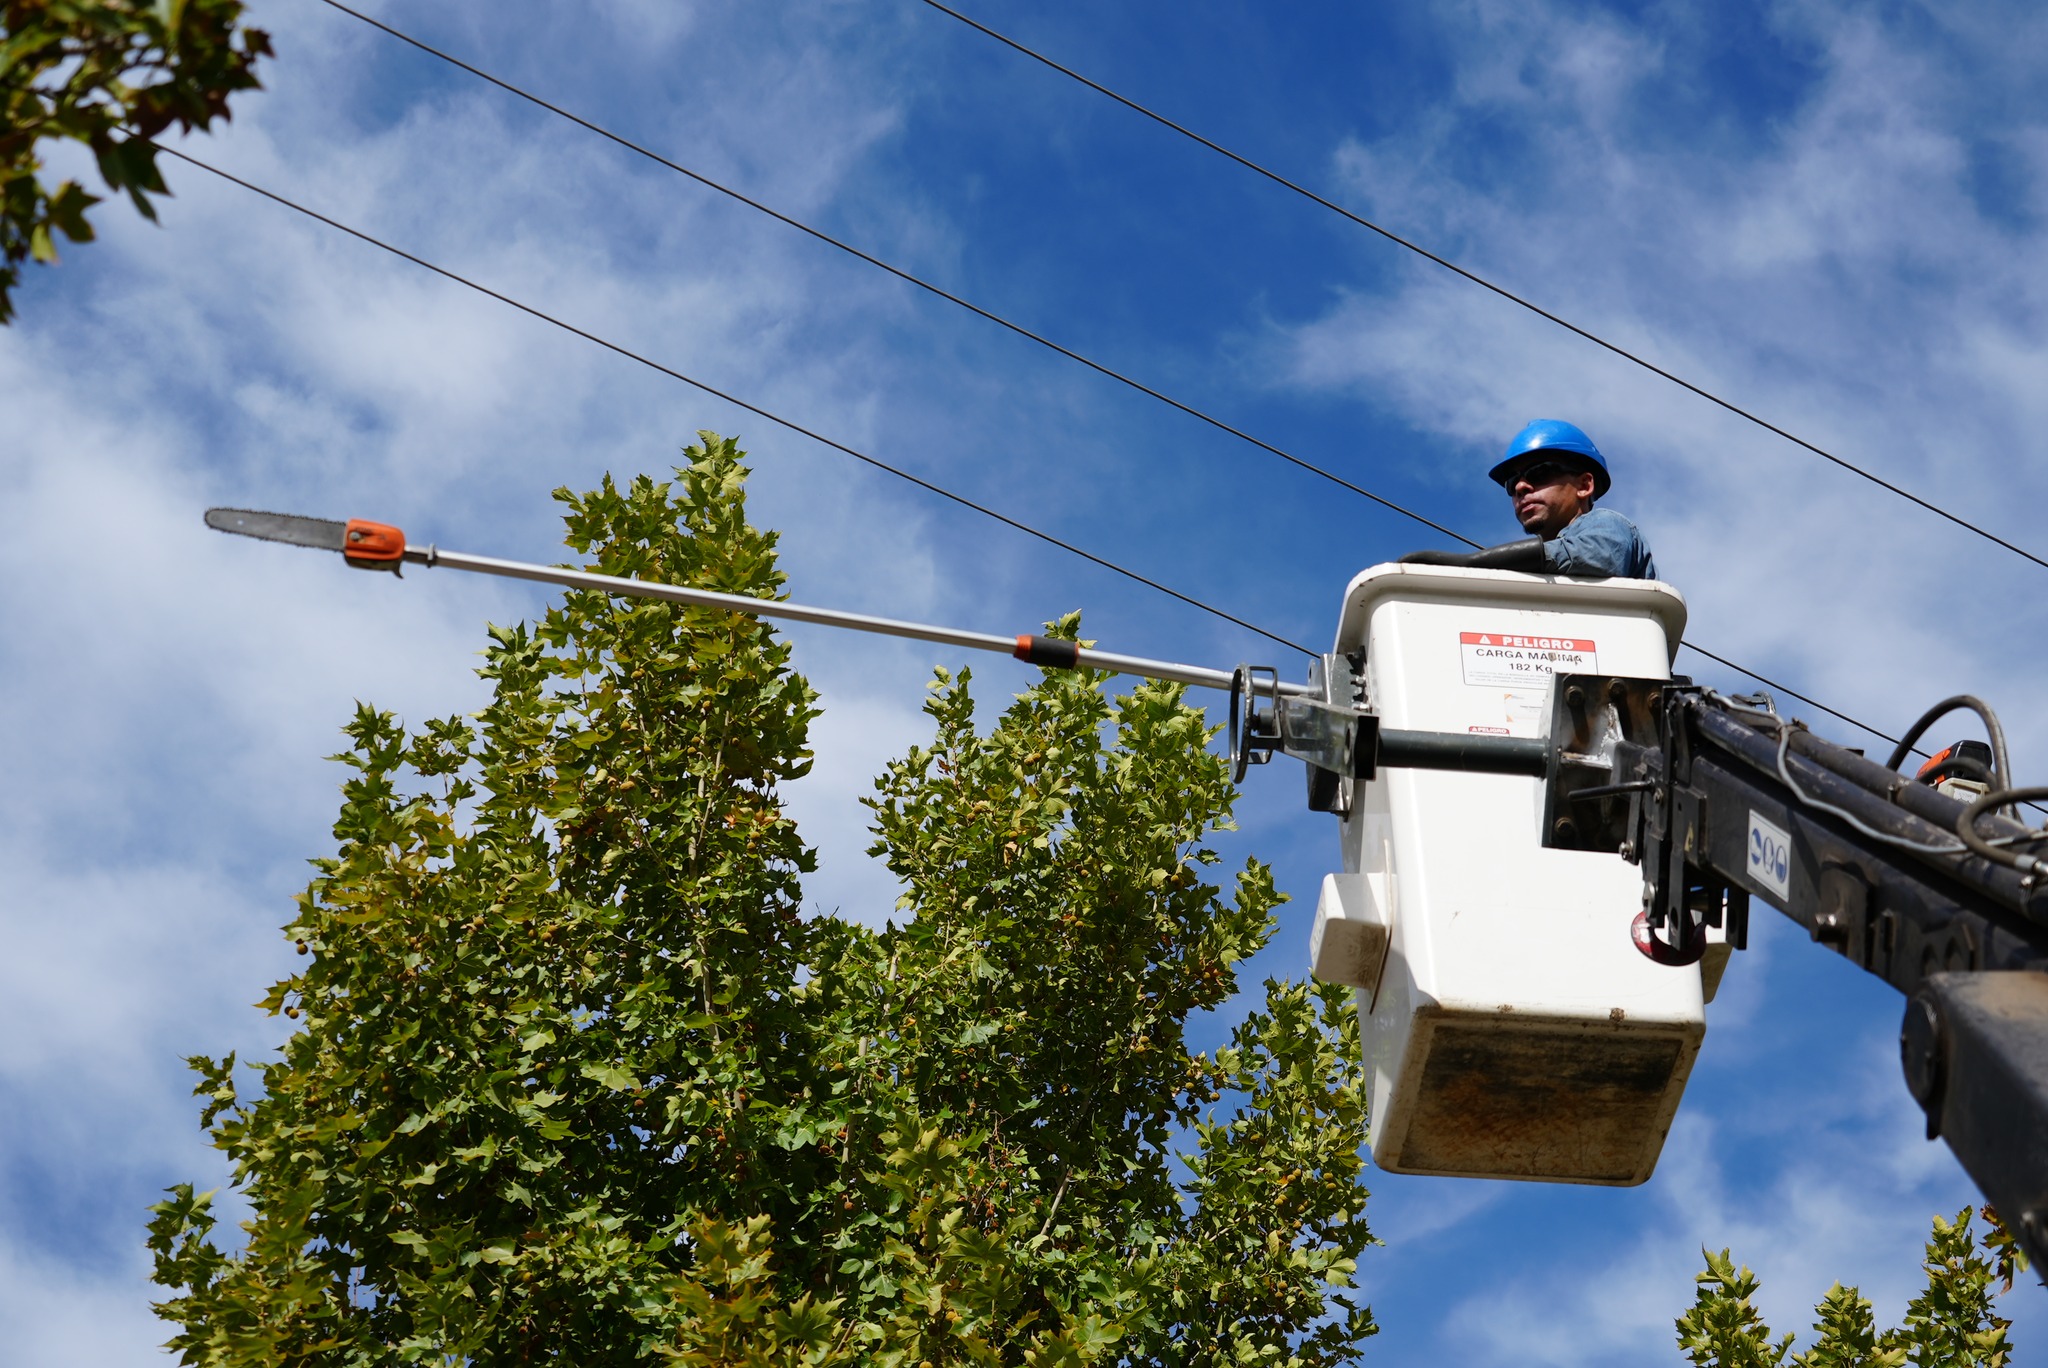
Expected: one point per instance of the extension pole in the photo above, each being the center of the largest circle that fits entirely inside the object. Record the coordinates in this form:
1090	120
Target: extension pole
379	546
1035	650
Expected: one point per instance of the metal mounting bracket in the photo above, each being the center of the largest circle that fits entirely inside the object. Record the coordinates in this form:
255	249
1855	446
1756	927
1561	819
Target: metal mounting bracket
1338	739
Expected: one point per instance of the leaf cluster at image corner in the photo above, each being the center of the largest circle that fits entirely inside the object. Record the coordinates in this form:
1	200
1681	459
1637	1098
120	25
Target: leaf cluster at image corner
110	75
1952	1323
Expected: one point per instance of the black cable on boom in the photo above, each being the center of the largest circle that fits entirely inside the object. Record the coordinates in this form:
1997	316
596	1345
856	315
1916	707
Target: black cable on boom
755	409
894	270
1509	295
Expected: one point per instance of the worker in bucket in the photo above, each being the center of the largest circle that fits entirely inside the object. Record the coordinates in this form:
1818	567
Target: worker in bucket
1554	474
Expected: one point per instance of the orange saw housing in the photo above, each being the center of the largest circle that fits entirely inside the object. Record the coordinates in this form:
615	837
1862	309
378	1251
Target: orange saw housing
373	545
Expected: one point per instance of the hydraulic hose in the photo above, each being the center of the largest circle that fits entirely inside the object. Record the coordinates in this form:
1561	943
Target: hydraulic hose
1526	555
2001	762
1966	830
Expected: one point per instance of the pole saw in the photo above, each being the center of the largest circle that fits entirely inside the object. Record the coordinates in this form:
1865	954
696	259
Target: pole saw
1330	734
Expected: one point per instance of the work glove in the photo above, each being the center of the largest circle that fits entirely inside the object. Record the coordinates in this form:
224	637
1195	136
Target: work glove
1526	555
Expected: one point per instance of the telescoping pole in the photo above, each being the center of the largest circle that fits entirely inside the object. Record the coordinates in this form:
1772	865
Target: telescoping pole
380	546
1035	650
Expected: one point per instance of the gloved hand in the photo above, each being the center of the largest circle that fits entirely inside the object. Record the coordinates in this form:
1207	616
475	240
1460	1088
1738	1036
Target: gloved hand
1526	555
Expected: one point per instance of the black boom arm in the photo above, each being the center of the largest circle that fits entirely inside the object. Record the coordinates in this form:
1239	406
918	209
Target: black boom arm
1720	800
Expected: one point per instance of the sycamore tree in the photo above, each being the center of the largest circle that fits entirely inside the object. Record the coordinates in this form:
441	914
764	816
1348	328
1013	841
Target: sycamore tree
1952	1323
108	74
572	1076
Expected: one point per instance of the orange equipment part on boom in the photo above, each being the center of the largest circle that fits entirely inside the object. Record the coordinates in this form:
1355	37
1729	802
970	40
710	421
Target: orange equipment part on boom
373	545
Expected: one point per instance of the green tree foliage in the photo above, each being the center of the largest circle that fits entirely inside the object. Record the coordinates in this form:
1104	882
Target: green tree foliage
572	1080
105	73
1952	1324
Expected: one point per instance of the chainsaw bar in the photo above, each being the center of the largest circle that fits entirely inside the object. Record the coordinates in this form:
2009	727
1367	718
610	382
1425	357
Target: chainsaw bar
364	544
322	534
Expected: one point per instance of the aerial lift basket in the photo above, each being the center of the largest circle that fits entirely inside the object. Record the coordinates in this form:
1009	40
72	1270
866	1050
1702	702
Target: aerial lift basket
1511	1027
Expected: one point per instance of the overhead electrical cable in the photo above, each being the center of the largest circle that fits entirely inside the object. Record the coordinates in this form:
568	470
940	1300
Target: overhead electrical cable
1904	744
734	400
905	475
893	270
1509	295
1790	692
1020	330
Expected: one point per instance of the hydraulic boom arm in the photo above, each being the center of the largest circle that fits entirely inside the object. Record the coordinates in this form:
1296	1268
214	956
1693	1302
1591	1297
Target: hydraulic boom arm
1720	799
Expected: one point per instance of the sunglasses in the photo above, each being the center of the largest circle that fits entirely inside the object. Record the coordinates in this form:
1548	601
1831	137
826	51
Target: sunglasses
1537	475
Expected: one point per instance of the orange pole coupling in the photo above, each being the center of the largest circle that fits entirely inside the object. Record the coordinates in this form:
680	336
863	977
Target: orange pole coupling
373	545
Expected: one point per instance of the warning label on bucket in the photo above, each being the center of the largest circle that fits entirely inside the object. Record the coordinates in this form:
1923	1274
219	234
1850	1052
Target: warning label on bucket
1507	660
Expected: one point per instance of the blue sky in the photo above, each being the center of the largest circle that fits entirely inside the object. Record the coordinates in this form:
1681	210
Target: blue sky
1831	213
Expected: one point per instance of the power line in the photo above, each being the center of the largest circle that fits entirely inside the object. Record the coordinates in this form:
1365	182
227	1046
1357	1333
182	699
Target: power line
906	276
1794	693
1791	693
1482	281
893	270
717	393
884	466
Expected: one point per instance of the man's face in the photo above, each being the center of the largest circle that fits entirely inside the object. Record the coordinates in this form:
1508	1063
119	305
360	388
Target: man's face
1548	494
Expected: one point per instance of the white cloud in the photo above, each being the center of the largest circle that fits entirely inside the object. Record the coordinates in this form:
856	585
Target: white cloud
57	1312
1851	1202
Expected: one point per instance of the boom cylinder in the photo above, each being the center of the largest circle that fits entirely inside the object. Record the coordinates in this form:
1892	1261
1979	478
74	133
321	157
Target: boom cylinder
1470	753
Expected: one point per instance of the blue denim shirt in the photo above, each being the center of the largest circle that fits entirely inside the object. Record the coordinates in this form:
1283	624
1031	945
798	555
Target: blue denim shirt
1600	542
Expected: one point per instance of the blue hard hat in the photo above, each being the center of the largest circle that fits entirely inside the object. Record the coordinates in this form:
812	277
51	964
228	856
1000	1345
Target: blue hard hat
1552	434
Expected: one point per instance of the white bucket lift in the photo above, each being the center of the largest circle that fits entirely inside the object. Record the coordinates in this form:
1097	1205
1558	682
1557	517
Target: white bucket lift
1511	1026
